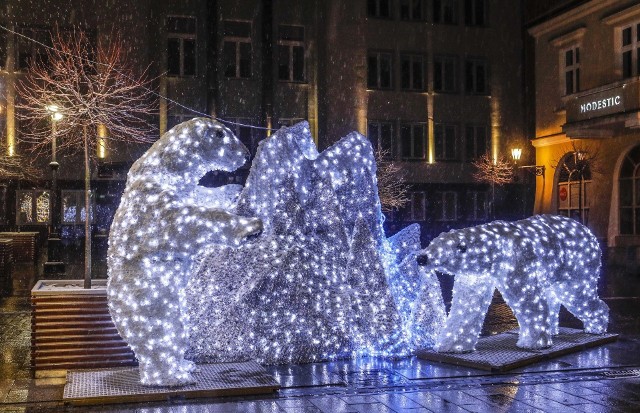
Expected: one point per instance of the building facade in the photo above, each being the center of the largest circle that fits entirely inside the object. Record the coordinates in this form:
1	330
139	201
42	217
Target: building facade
587	88
435	83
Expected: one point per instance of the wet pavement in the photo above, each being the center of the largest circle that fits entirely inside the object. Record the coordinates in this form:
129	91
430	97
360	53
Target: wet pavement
601	379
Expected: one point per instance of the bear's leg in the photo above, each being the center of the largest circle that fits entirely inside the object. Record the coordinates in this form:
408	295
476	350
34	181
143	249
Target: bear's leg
532	312
471	299
587	307
553	305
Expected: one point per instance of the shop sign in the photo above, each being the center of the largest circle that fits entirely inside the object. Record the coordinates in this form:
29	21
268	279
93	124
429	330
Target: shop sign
596	104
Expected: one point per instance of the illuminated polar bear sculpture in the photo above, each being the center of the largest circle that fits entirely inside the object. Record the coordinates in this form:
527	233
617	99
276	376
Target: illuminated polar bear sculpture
537	264
163	219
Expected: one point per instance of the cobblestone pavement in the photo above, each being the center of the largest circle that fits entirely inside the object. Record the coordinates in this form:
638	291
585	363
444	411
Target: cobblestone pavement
601	379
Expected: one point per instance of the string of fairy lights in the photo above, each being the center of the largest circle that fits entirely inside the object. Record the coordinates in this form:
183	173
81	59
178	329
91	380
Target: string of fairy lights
153	92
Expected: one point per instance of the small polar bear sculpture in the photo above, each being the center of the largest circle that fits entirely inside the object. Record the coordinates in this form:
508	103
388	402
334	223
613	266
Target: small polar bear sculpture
163	220
537	264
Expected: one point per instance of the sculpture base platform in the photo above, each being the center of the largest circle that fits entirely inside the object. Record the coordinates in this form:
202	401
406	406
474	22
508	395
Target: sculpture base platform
122	385
500	353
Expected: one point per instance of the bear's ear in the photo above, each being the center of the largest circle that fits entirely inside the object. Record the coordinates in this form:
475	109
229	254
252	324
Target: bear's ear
462	248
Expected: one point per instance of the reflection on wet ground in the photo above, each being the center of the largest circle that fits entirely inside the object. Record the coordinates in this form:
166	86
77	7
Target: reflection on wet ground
601	379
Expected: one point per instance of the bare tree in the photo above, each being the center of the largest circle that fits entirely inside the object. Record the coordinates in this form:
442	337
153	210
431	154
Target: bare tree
392	189
17	167
91	86
498	172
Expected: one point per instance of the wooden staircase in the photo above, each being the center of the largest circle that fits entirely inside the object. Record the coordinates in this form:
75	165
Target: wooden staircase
71	328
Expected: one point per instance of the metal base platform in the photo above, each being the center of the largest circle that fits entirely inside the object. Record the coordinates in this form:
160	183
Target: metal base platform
122	385
500	353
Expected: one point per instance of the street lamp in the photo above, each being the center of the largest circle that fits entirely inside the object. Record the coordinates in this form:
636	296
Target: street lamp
538	170
54	265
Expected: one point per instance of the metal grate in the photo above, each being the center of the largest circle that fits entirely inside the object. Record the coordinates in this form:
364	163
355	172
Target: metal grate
118	385
500	352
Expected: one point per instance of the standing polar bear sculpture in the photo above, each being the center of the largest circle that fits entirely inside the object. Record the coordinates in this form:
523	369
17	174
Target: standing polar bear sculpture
537	264
165	218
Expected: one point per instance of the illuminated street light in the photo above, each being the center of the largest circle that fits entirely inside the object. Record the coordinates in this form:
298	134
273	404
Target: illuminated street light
54	265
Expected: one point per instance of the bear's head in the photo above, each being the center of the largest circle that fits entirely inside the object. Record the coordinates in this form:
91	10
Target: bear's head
458	252
191	149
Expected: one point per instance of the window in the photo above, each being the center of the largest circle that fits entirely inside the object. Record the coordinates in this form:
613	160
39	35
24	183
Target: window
73	207
412	72
380	134
475	12
445	136
32	207
574	186
479	204
413	138
445	11
412	9
237	49
631	50
379	8
629	190
475	76
476	142
291	54
571	69
416	209
446	206
28	51
181	46
444	73
379	74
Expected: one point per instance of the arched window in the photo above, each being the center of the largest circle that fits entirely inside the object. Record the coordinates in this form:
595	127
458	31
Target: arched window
574	186
630	193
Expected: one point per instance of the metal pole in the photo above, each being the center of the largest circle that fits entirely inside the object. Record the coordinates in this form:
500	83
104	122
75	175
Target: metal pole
54	264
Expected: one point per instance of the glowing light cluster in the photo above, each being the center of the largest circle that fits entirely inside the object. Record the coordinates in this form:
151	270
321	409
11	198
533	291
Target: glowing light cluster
321	281
537	264
163	219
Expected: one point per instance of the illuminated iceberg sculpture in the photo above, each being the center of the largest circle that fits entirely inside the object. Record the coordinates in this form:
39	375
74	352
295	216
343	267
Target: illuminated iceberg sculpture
537	264
321	281
294	266
164	217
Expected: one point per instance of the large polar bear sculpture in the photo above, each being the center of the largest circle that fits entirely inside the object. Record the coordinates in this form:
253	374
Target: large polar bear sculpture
164	218
537	264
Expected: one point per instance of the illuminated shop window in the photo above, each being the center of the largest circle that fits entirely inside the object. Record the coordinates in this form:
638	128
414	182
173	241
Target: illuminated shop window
574	187
32	207
73	207
237	49
181	46
630	193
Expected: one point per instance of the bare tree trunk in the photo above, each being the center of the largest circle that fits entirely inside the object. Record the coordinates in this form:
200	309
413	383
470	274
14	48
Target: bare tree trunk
87	212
